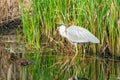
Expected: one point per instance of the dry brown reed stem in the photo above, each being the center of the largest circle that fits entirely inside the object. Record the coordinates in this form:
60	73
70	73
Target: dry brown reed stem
10	9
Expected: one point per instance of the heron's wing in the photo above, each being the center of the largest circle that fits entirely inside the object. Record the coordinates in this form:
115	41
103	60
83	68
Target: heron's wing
80	35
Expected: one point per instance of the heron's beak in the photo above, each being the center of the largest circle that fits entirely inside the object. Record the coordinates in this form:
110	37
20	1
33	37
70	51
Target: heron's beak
56	31
57	28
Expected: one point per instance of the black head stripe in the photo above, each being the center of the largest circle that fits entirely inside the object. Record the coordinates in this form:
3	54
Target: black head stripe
60	25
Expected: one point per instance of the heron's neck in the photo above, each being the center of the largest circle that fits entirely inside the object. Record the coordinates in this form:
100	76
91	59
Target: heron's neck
63	33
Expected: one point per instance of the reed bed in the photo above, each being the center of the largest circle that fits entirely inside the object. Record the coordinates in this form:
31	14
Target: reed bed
9	10
100	17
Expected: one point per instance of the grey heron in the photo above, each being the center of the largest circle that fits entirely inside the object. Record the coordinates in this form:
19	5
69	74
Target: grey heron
77	34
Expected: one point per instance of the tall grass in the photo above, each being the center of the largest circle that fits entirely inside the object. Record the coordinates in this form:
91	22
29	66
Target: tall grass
31	27
98	16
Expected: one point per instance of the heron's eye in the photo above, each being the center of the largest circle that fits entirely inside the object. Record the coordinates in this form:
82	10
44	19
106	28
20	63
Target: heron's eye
60	25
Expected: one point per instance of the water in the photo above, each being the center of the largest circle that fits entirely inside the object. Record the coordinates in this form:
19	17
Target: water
59	67
54	64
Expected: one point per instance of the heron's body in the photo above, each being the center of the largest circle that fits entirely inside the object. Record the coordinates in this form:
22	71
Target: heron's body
76	34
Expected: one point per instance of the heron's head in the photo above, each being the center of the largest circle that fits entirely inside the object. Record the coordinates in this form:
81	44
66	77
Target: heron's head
62	29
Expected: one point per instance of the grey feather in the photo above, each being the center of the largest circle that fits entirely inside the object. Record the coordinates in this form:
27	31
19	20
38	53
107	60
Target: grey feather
80	35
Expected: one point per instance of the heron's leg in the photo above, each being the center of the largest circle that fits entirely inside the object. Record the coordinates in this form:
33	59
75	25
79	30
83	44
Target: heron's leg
75	53
76	47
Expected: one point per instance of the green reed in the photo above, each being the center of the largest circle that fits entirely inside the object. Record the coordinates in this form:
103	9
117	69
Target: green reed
100	17
31	28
